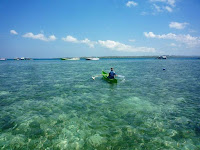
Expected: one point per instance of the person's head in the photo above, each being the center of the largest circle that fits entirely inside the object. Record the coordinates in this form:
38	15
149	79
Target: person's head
111	69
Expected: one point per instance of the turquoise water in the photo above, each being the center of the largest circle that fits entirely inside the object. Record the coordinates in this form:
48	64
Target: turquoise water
53	104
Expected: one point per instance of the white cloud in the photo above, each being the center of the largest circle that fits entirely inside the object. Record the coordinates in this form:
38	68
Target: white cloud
52	38
169	9
13	32
131	3
117	46
149	35
178	25
163	5
185	39
70	38
39	37
86	41
168	2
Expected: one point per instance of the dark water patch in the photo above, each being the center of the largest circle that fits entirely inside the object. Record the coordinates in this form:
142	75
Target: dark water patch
197	129
35	130
7	122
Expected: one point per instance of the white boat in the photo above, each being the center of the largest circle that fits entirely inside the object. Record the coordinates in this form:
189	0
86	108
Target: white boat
91	58
75	58
2	59
162	57
22	58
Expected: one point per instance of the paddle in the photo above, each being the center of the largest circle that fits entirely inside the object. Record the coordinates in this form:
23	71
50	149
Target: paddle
96	76
120	76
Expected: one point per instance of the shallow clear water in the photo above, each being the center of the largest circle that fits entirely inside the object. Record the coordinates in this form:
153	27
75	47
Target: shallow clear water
53	104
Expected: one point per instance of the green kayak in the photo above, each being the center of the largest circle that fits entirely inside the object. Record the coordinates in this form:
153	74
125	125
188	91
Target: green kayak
105	77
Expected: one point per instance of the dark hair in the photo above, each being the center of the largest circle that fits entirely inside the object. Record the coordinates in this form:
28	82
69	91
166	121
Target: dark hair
111	68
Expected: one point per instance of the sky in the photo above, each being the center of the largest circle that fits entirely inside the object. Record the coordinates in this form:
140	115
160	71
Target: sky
83	28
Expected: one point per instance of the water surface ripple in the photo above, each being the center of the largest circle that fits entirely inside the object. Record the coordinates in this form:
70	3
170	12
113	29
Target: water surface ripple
53	104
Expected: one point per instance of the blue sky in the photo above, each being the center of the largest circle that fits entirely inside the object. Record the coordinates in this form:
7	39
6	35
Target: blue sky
74	28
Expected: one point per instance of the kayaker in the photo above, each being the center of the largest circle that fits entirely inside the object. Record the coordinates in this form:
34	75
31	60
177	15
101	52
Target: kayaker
112	74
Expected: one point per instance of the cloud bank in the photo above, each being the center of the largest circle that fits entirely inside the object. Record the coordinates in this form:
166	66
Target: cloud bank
184	39
112	45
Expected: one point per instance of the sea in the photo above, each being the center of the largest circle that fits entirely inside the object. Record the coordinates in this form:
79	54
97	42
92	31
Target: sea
55	104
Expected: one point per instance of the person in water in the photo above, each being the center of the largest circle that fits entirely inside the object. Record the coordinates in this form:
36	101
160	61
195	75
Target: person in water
112	74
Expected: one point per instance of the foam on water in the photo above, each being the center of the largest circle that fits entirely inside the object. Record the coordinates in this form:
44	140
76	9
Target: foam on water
56	105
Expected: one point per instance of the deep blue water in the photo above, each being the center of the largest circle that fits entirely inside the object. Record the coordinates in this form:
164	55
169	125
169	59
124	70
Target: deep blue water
54	104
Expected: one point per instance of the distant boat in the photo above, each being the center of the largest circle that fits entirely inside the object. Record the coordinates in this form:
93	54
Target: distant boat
2	59
75	58
91	58
23	58
17	59
162	57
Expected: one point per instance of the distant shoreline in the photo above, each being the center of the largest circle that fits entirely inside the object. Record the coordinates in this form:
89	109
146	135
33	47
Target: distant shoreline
171	56
112	57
